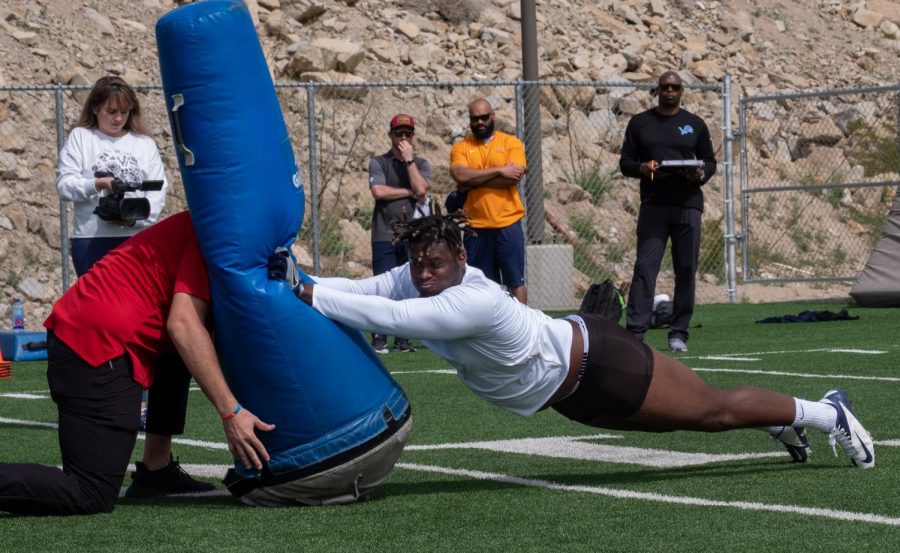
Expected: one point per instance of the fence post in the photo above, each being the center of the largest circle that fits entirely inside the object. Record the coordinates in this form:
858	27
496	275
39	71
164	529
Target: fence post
313	175
728	142
534	177
63	207
745	209
520	132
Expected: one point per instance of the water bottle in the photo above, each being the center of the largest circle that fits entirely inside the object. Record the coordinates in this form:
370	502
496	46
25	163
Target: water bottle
18	315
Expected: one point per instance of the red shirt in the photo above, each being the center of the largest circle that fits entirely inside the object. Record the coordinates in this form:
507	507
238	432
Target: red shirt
122	304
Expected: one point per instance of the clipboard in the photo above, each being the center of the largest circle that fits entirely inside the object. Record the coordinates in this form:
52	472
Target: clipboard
681	164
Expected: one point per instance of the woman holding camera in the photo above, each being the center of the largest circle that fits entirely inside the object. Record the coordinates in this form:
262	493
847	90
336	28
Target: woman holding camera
108	138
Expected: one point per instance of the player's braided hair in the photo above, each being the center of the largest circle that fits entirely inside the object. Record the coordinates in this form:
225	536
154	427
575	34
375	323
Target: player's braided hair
433	229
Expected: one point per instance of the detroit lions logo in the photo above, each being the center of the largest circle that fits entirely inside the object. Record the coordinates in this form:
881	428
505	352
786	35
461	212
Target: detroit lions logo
687	129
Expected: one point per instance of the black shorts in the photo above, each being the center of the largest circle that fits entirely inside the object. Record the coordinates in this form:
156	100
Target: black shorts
616	377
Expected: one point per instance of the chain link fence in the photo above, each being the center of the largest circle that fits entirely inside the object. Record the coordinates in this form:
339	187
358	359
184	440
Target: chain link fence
29	266
795	168
818	172
34	123
588	208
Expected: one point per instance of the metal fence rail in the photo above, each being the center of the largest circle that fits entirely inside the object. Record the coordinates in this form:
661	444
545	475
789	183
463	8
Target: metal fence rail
815	175
581	130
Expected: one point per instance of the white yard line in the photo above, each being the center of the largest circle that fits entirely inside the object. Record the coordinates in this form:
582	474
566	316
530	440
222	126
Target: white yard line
20	422
427	371
798	375
45	394
569	448
217	472
725	357
776	352
660	498
550	447
182	441
25	395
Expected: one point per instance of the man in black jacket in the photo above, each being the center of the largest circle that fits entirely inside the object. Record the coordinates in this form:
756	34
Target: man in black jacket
671	203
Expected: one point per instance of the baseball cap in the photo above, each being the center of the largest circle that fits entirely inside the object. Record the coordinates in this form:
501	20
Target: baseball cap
403	120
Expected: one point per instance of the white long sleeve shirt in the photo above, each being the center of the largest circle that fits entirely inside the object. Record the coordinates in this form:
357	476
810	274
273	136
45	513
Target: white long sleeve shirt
131	157
509	354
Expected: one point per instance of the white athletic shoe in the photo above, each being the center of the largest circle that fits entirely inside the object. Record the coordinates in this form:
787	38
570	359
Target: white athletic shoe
795	442
677	344
848	432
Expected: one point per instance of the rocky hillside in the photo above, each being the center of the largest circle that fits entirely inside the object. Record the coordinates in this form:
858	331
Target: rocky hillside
767	46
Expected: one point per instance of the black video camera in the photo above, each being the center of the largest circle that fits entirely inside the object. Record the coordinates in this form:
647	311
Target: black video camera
116	207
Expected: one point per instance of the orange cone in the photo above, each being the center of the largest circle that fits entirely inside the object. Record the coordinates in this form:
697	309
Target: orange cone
5	367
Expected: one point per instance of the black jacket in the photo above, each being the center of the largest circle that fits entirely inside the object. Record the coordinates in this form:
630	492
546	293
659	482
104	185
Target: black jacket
653	136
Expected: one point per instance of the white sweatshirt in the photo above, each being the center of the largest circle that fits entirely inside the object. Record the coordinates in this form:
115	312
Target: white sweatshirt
507	353
131	157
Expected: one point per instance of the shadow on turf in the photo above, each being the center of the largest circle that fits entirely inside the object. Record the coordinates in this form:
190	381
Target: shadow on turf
680	473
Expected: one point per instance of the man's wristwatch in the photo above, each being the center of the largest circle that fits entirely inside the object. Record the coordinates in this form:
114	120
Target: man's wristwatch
410	162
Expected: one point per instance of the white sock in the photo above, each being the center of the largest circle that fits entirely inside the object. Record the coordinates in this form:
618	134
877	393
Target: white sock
814	414
773	431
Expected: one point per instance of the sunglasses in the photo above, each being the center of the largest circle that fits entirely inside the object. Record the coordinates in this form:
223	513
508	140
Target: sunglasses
477	118
403	134
671	86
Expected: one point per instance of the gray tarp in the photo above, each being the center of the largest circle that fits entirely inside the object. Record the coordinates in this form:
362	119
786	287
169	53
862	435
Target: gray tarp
878	284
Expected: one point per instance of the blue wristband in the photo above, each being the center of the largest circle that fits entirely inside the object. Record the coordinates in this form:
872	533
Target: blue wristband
233	413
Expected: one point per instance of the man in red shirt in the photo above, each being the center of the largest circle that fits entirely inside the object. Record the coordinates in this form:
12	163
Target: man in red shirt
138	315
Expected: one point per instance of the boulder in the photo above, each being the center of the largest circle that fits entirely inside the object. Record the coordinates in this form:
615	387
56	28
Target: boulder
738	22
820	132
304	58
340	55
866	18
101	23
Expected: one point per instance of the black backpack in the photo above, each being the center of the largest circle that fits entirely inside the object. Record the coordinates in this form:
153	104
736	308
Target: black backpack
455	201
662	315
605	300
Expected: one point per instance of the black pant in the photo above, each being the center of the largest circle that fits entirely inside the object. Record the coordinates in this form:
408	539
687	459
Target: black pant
99	409
656	224
386	256
87	251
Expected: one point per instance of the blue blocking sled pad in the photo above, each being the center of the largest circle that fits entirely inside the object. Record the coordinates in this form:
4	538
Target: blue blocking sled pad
319	382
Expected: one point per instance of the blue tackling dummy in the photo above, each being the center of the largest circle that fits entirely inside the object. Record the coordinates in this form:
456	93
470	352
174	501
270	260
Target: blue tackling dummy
341	420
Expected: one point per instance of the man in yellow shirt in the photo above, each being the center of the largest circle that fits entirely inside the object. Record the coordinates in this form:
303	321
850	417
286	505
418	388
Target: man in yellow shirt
487	165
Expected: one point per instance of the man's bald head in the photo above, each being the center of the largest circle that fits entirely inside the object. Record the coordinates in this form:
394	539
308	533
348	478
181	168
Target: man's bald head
481	118
669	77
669	90
480	105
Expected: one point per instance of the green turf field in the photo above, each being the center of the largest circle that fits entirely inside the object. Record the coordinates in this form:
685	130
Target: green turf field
474	478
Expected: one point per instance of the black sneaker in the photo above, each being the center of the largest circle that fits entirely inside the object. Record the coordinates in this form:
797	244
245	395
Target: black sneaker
168	480
379	344
402	344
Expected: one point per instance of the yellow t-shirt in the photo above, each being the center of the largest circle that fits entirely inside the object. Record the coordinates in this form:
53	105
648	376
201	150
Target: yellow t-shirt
491	207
